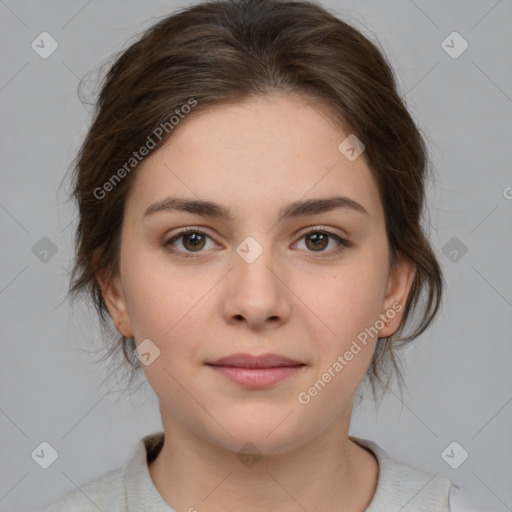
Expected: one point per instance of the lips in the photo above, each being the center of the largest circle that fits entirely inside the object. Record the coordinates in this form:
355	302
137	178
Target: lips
256	372
253	361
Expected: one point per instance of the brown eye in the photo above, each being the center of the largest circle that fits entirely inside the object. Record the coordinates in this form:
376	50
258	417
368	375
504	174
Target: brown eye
193	241
318	241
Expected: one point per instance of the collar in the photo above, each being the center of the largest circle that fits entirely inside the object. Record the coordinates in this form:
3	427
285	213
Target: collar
141	493
397	485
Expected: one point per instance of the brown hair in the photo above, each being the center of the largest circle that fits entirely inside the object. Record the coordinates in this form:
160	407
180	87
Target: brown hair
229	50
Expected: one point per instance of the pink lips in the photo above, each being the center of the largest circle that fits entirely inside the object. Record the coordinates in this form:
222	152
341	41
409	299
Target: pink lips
256	371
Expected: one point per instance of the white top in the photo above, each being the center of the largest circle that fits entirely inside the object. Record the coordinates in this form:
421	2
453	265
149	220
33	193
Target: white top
130	488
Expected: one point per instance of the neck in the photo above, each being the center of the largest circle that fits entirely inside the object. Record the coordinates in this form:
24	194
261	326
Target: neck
329	472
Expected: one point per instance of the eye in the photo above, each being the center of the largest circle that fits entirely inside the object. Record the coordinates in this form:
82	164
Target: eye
194	240
318	239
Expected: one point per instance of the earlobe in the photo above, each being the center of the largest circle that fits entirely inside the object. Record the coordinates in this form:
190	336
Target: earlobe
400	282
115	301
399	285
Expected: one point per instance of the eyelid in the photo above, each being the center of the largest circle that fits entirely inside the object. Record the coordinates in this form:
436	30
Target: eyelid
319	227
301	232
342	239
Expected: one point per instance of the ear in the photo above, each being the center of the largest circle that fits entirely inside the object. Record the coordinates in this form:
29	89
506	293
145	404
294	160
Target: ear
399	284
116	303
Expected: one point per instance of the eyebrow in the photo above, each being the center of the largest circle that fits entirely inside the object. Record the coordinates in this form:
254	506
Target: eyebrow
292	210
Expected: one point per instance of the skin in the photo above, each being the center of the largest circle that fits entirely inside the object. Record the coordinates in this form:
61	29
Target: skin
256	157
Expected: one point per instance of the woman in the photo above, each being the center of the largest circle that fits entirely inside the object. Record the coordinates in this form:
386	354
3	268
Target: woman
250	195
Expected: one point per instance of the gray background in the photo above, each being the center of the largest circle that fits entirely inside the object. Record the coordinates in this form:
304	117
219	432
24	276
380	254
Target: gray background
458	373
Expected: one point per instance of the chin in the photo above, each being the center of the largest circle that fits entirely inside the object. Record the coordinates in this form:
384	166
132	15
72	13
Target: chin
261	437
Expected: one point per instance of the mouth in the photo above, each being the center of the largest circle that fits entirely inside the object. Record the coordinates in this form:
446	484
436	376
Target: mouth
251	371
254	361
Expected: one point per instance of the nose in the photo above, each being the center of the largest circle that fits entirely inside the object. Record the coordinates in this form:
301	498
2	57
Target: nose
256	293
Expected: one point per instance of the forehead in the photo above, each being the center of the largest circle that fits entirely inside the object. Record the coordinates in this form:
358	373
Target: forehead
261	152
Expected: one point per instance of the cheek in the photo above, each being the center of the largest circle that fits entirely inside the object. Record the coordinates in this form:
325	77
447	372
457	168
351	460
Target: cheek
167	310
345	339
169	306
170	312
344	300
158	294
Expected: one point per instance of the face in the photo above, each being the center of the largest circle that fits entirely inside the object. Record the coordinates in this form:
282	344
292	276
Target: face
305	285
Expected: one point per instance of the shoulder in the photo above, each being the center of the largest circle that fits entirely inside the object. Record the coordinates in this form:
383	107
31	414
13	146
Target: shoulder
128	488
103	493
402	485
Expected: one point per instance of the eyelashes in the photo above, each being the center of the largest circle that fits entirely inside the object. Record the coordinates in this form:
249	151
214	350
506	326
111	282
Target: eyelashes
326	235
321	235
185	232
